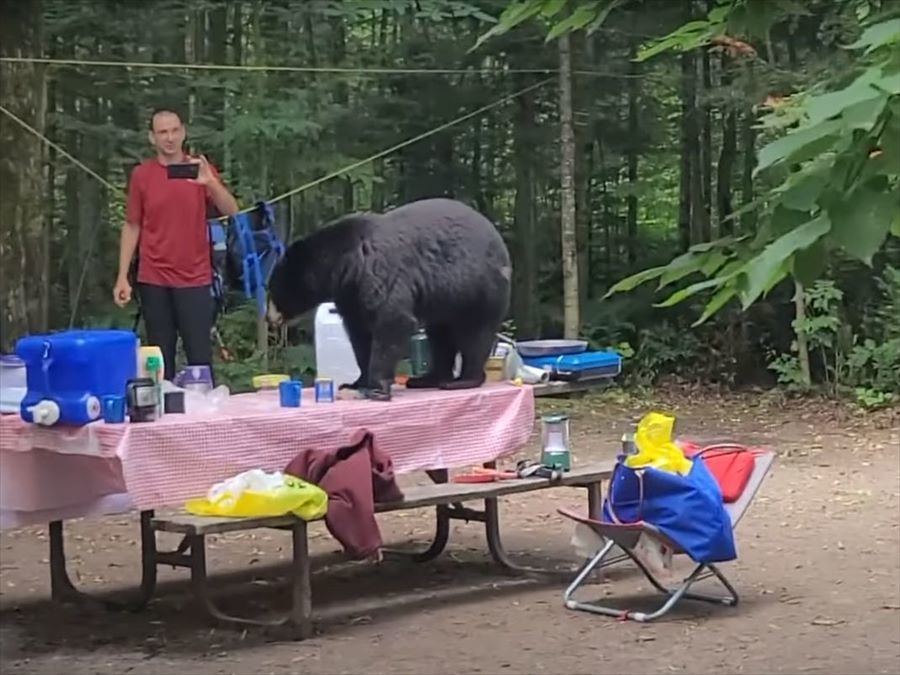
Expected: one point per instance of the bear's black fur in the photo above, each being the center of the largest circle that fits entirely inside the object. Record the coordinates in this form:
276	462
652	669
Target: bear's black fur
434	262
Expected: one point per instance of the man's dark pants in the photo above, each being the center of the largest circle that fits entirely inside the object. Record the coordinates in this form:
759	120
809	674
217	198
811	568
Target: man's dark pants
170	312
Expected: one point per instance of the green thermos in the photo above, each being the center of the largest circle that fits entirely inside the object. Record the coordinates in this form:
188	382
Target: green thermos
419	354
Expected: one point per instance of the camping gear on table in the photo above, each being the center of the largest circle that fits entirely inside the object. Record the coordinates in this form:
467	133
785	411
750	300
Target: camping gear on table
195	378
13	385
569	360
555	451
585	365
68	373
334	353
144	397
530	349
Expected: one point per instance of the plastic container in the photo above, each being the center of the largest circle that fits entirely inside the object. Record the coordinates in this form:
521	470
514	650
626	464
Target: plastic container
269	381
12	383
68	373
575	367
150	358
335	359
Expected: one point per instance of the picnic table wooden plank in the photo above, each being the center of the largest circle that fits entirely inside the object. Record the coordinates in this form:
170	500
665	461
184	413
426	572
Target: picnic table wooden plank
416	496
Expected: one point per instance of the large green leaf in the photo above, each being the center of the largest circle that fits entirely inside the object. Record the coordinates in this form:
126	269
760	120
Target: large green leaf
726	274
722	296
798	145
862	221
635	280
581	17
680	267
693	289
864	114
810	263
689	36
804	191
825	106
878	35
759	272
602	14
512	16
552	7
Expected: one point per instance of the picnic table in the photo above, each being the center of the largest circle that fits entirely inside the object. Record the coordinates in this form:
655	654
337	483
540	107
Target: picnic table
49	475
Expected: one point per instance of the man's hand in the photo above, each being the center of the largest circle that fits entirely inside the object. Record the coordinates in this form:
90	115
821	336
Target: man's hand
215	189
205	175
122	292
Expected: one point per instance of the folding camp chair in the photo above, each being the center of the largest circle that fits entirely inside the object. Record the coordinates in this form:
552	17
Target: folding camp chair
626	538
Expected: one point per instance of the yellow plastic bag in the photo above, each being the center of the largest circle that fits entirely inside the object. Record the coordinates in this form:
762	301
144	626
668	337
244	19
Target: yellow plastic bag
257	494
653	439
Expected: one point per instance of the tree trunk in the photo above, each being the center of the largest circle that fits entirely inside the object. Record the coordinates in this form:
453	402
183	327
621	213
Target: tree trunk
584	136
694	150
800	332
633	149
727	156
525	267
748	138
706	149
571	318
22	179
686	178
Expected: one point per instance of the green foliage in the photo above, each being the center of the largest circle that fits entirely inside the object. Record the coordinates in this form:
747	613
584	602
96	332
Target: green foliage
839	190
867	368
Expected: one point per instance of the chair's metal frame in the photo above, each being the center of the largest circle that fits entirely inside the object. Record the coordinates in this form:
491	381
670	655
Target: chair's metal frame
626	538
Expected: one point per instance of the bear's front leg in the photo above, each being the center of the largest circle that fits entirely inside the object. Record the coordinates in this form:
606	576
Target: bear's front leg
389	341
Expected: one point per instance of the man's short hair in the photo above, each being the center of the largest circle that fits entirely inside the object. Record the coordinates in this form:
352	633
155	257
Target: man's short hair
163	109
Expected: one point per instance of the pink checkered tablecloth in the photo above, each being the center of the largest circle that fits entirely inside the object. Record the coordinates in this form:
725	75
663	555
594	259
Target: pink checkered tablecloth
163	463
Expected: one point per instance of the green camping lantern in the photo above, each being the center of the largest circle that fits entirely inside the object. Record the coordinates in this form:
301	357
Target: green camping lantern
555	452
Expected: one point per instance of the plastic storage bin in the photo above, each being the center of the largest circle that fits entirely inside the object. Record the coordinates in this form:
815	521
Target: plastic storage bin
68	373
334	353
574	367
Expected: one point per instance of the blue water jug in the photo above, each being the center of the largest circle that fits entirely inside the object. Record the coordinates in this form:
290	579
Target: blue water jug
68	373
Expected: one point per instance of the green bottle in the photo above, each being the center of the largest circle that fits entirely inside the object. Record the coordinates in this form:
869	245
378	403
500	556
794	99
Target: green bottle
154	371
419	354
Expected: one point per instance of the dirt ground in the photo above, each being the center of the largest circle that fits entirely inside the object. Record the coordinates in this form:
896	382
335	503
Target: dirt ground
818	573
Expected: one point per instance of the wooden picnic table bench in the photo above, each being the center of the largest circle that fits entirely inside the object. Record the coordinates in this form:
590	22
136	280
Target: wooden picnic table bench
447	497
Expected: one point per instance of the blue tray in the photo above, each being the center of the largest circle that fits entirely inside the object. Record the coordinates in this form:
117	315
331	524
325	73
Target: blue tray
574	367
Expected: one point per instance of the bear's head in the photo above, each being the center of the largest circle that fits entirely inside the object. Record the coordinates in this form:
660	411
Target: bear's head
313	269
294	285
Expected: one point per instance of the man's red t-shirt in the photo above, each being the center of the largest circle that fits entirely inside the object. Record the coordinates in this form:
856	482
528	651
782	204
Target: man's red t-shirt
174	244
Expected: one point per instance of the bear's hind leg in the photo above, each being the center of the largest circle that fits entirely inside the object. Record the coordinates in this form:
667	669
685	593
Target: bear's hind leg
389	340
443	355
475	347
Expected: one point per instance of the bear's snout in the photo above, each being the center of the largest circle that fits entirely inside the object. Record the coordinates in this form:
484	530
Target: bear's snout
273	315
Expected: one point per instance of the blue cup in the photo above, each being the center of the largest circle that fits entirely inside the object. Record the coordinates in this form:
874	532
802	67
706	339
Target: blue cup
114	409
289	393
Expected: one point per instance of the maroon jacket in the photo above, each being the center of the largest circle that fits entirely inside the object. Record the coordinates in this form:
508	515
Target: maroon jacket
355	477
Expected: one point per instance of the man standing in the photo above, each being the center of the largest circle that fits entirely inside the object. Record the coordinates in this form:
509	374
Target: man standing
169	217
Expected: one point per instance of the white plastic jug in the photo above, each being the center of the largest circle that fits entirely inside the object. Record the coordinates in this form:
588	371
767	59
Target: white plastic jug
334	353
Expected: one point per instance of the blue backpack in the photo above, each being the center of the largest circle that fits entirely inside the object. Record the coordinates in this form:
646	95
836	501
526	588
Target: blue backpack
244	253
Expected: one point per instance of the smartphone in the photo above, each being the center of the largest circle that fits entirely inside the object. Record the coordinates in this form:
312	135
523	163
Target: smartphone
185	170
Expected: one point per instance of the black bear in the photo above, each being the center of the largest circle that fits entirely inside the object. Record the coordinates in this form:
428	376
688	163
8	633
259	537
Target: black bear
434	262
